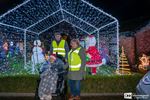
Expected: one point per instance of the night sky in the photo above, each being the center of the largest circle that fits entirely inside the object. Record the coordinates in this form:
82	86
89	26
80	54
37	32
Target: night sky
130	13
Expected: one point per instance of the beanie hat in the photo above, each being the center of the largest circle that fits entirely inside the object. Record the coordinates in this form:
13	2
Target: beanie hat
53	56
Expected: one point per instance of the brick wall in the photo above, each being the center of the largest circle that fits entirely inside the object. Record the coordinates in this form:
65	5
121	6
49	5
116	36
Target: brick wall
135	46
129	46
143	42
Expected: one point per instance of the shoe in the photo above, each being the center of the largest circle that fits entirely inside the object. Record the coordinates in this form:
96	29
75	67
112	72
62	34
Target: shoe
77	98
71	98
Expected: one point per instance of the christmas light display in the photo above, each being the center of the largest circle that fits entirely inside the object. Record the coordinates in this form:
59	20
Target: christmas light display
35	17
124	65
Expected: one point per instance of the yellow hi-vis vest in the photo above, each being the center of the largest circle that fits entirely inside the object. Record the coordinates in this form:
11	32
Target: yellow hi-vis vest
60	48
74	60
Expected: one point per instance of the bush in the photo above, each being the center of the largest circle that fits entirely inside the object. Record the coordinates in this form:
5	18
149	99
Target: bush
25	83
110	84
92	84
106	70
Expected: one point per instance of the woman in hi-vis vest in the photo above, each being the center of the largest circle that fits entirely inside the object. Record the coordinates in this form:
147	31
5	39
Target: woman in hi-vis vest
76	72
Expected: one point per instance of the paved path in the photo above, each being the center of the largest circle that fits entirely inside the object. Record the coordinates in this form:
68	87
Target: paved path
84	96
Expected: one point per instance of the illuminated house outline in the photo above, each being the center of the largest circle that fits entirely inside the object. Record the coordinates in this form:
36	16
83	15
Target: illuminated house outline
37	16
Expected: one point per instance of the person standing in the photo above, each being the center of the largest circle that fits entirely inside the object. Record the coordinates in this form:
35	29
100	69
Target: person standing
59	46
5	48
76	73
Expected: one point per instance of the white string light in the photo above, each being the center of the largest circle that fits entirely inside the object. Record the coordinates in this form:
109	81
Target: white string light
77	27
17	27
51	27
37	16
42	19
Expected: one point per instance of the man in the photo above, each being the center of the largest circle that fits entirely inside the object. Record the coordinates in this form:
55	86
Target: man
59	46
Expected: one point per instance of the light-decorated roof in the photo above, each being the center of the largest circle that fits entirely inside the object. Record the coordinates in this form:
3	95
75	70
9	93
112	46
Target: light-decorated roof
37	16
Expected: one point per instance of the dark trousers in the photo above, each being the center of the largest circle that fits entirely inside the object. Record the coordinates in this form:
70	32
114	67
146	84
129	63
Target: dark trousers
75	87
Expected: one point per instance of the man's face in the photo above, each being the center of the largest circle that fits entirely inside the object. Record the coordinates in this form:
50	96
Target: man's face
58	37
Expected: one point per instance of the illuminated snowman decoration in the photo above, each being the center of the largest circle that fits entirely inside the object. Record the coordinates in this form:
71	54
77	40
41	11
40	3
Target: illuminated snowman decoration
37	55
11	49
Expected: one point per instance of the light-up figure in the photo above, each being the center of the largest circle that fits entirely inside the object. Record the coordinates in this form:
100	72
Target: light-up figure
93	54
145	62
37	56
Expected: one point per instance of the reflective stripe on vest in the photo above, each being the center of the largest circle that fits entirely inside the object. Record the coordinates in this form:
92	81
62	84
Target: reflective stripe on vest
60	48
74	60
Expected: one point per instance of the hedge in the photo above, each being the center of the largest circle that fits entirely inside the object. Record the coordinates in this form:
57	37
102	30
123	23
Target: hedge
111	84
92	84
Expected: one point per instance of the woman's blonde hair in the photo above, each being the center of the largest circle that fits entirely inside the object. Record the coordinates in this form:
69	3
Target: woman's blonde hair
76	41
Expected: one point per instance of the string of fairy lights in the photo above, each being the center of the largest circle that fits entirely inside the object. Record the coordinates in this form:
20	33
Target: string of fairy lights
82	9
51	20
38	16
30	13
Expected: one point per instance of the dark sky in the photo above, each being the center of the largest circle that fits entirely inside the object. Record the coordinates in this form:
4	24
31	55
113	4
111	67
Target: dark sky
5	5
135	12
124	9
132	14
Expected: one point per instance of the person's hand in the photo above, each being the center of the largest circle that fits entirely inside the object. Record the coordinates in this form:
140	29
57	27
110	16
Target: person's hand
66	66
83	73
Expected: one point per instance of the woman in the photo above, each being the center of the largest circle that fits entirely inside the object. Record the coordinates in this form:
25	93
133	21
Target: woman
76	61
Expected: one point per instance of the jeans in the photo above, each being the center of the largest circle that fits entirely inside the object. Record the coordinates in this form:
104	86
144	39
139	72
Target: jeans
75	87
